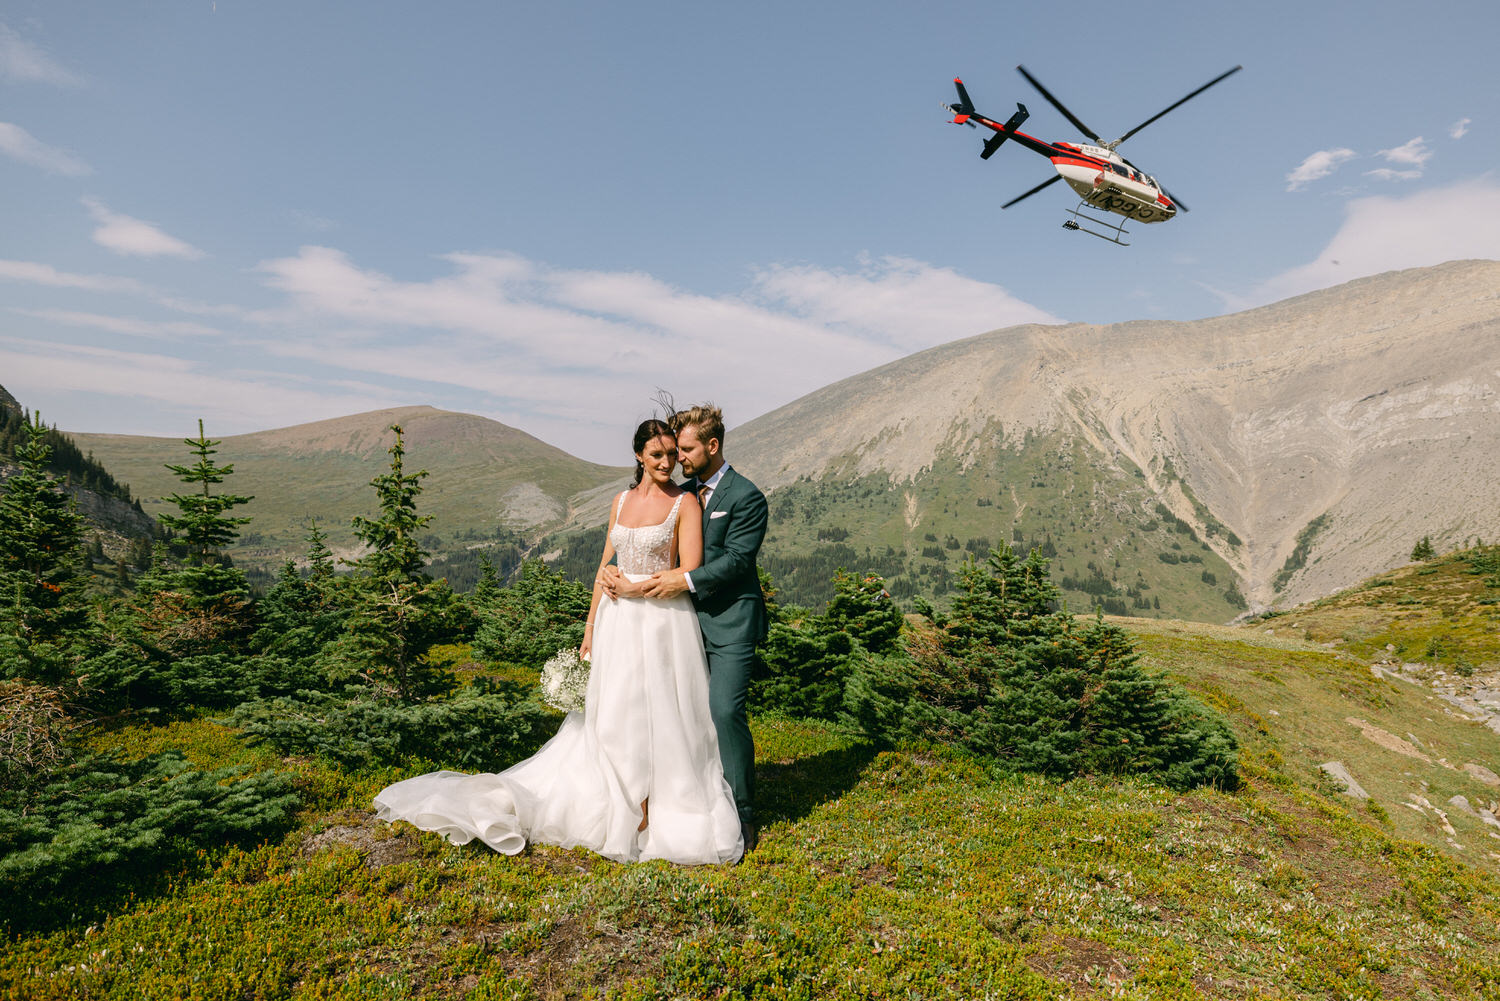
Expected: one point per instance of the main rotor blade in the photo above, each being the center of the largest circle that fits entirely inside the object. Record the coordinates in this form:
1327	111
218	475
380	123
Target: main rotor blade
1059	106
1194	94
1175	200
1039	187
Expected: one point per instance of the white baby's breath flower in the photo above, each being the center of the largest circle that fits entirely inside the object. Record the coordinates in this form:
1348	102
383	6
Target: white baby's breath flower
565	680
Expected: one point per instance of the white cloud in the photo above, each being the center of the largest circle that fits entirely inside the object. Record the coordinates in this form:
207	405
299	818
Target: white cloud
1460	128
179	390
25	63
1318	166
576	354
18	144
1413	152
46	274
1386	234
572	356
1411	156
121	324
1389	174
133	237
905	304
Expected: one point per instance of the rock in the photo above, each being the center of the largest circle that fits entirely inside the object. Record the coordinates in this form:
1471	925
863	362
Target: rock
1389	741
1336	771
1462	803
378	848
1483	774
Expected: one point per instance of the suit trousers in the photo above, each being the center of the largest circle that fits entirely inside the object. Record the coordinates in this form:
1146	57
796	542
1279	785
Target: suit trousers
729	669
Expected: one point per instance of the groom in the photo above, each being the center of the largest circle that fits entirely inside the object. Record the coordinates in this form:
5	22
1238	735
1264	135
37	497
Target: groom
725	590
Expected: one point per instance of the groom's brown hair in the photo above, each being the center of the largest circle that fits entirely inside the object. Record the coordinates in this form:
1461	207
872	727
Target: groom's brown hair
706	419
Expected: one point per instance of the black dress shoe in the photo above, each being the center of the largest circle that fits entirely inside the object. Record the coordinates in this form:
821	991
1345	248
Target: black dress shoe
750	834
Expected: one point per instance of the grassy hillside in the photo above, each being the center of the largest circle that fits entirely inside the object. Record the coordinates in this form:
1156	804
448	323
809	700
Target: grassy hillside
490	485
1109	541
1444	613
885	873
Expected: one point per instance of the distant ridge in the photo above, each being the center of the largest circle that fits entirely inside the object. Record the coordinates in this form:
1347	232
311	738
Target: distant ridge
486	478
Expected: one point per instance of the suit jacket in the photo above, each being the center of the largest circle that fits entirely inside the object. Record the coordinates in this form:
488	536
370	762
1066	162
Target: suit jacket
726	588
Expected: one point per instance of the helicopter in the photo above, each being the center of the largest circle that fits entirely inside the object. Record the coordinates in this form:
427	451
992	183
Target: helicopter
1103	179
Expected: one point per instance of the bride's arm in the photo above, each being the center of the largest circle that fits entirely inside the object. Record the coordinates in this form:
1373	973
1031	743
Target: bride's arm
609	554
689	537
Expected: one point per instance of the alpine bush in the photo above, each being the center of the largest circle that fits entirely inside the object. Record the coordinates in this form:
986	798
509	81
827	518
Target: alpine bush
100	825
484	727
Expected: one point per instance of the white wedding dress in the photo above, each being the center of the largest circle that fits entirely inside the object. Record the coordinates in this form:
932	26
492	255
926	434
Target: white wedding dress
645	733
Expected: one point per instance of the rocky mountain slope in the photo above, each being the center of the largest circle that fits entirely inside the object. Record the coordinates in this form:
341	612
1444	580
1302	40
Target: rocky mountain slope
118	524
1308	443
1192	469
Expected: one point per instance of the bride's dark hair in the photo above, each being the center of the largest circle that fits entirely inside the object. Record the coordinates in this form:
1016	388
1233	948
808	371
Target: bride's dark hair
648	430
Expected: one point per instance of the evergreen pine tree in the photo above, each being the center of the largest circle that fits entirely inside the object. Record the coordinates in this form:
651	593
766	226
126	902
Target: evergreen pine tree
1422	551
541	613
300	613
206	528
319	557
488	588
396	612
204	600
862	607
42	609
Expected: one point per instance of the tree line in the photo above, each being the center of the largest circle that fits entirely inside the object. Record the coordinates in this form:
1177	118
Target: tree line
377	663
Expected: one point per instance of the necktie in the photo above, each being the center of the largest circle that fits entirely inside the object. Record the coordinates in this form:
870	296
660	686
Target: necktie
703	489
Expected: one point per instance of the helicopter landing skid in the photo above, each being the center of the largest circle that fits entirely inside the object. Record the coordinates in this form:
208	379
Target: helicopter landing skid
1116	230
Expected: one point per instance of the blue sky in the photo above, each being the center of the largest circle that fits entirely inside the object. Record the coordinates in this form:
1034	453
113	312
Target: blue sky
265	213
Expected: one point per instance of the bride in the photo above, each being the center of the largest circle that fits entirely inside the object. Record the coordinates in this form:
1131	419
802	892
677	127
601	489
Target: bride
636	775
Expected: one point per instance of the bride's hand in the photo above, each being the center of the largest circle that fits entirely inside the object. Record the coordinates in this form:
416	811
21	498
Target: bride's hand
611	580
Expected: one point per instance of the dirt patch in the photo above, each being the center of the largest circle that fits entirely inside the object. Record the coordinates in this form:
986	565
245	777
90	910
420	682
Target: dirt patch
378	844
575	950
1080	963
1387	740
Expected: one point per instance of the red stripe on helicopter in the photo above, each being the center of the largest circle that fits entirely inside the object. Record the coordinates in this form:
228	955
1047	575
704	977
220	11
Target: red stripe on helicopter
1073	160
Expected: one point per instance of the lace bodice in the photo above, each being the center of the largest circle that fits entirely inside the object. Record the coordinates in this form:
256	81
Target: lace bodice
645	549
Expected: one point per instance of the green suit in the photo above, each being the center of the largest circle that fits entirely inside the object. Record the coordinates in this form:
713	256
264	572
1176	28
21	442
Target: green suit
732	615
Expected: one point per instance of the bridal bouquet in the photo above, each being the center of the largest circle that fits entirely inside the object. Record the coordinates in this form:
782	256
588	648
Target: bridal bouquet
565	679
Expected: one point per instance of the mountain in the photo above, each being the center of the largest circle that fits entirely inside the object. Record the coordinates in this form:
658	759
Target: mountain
490	485
113	517
1185	469
1292	449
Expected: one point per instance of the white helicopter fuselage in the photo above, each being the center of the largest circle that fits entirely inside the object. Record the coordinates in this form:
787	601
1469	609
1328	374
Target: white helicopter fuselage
1108	181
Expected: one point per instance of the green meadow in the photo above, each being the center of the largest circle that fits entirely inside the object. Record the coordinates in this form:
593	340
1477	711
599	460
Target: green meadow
908	872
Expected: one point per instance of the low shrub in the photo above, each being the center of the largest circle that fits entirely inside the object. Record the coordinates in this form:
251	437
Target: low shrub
100	826
486	726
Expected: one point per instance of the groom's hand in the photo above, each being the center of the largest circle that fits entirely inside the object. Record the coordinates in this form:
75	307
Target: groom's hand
667	584
610	578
